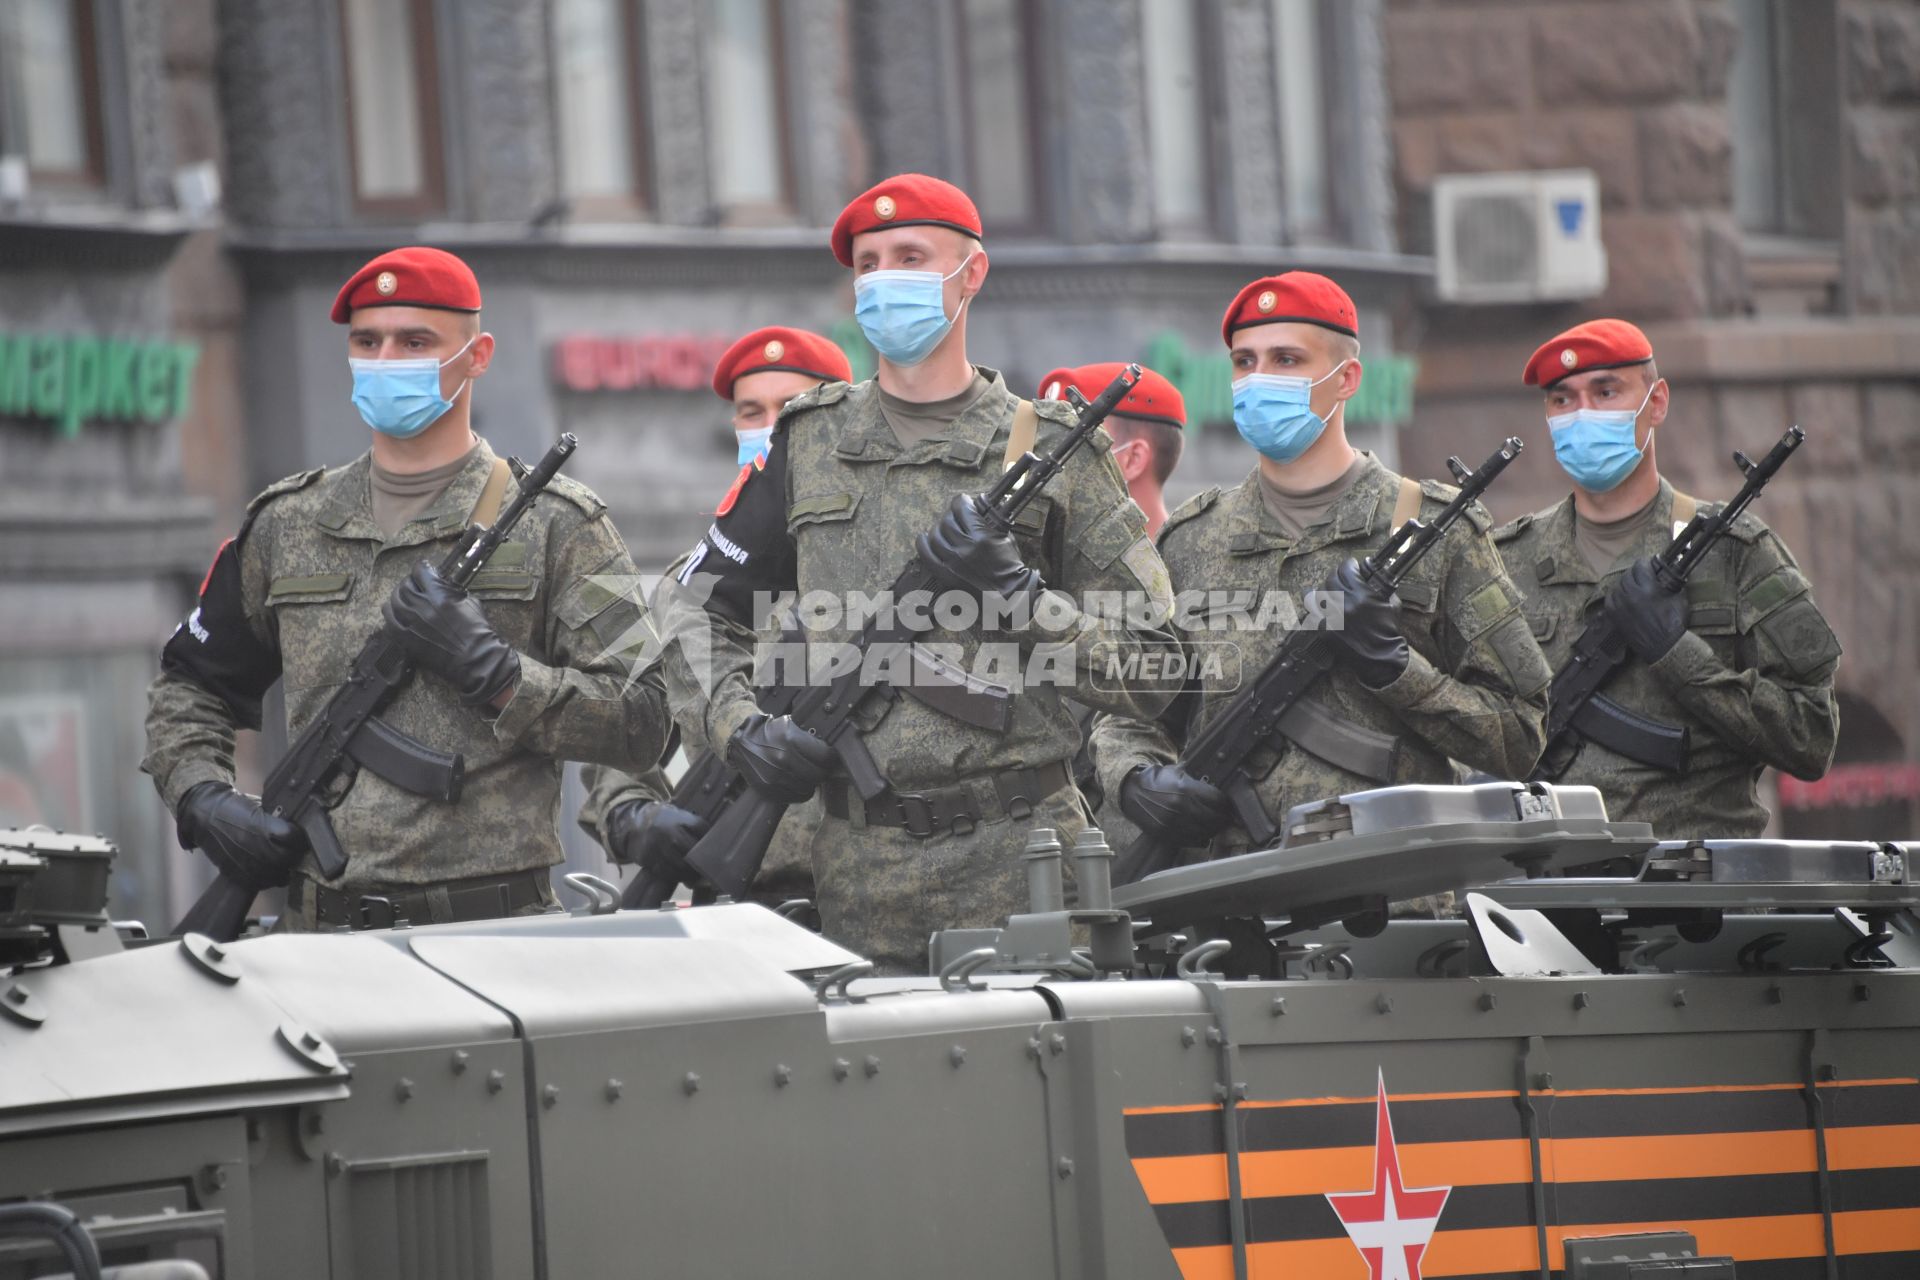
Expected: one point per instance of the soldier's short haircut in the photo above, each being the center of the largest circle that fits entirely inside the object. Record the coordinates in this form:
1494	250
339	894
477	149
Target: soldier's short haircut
1164	441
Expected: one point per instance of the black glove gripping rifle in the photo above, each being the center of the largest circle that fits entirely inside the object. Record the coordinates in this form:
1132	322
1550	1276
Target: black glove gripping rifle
1576	709
1218	753
348	734
730	854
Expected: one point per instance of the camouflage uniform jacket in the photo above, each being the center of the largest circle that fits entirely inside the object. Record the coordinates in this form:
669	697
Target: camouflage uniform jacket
1475	688
834	513
298	591
1752	680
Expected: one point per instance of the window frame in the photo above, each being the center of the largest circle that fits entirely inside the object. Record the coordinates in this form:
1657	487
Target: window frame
785	207
1328	230
1030	35
638	200
1207	47
432	196
91	177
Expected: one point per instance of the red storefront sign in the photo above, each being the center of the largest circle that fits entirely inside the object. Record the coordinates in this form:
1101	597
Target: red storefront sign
1854	786
663	362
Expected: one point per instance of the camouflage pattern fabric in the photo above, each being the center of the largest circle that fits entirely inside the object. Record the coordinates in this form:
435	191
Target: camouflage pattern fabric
883	892
1475	688
1752	680
314	572
854	500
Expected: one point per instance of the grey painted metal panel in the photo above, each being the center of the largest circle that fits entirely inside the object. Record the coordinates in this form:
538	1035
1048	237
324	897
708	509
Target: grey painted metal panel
82	1059
363	996
559	986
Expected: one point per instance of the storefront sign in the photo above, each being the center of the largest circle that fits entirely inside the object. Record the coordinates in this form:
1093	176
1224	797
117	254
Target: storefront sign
72	379
1854	786
663	362
1205	380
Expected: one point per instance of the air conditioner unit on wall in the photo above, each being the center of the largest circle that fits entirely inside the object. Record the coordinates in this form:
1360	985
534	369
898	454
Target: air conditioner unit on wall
1518	237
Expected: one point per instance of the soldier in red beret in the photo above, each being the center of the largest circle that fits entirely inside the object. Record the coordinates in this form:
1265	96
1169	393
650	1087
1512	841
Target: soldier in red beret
1444	670
517	672
1743	660
855	478
1149	430
630	816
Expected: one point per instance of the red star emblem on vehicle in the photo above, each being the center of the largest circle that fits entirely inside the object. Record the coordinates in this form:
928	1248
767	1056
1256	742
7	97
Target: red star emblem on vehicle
1392	1224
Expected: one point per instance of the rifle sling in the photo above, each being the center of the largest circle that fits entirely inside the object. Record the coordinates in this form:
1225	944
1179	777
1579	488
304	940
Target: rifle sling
487	509
1319	732
1684	508
1026	429
1407	505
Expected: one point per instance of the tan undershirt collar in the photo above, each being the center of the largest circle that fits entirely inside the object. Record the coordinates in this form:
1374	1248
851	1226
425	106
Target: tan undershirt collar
1299	511
1604	543
399	497
913	421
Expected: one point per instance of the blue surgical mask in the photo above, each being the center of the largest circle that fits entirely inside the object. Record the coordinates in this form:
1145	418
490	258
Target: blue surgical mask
401	398
904	313
1274	413
753	444
1598	448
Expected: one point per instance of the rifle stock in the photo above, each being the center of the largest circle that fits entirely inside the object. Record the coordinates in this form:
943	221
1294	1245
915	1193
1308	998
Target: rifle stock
316	773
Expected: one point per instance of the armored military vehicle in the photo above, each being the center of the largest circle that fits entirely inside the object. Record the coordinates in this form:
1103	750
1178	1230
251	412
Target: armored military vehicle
1616	1058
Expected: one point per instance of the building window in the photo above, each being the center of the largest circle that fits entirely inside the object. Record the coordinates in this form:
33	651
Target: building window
1783	101
746	91
49	90
1299	52
1178	133
997	36
393	105
597	57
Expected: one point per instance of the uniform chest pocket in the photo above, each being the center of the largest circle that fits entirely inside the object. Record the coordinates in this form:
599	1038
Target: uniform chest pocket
310	588
507	575
821	508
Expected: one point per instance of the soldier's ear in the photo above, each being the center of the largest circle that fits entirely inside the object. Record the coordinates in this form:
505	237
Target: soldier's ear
1657	401
481	353
976	273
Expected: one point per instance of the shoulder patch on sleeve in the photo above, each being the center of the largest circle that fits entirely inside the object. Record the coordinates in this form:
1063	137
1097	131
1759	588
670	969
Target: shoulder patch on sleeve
291	484
1192	507
578	494
1513	529
740	483
1441	494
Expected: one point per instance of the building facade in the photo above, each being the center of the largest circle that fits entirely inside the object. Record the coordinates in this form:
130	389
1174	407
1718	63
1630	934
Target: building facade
638	181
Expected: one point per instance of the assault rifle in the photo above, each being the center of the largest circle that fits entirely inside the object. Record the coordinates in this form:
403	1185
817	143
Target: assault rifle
1576	709
730	854
1257	715
348	734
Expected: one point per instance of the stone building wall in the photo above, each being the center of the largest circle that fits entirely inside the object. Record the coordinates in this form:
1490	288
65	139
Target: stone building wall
1752	334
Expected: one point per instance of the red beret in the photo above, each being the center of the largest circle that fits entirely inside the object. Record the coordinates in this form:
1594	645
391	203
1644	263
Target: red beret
1296	297
1597	344
412	277
788	350
1152	398
904	200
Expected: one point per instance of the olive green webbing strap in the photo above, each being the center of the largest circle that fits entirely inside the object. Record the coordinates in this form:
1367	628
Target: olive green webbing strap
1026	429
1407	505
487	510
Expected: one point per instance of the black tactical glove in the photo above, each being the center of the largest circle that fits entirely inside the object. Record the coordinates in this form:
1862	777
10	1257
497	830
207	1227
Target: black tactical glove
444	630
779	759
1650	617
1372	643
1165	800
656	837
248	845
970	552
